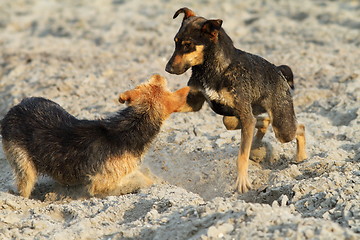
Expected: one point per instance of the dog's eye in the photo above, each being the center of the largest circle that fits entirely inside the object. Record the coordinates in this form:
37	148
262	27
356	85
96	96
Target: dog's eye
187	45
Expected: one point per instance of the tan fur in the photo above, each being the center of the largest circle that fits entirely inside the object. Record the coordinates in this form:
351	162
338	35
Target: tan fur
196	57
300	143
133	182
223	96
109	176
231	122
192	59
242	182
155	95
23	167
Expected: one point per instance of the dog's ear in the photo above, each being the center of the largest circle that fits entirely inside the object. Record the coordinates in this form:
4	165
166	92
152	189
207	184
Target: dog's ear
212	27
158	80
129	96
183	92
187	13
181	96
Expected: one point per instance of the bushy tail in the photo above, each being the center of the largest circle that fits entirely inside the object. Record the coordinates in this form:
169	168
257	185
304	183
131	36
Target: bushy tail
288	74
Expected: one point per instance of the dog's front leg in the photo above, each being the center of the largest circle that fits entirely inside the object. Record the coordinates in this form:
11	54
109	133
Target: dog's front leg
232	122
247	132
194	101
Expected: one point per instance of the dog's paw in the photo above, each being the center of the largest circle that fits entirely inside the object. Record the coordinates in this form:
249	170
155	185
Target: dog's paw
242	184
300	157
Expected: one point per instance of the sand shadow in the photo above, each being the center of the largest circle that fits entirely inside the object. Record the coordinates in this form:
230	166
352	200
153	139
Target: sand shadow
268	195
46	189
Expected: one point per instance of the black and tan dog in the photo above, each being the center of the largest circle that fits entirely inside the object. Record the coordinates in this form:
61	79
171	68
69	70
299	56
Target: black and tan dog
40	137
237	85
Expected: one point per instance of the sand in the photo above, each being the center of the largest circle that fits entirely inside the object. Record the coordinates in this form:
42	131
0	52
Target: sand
82	54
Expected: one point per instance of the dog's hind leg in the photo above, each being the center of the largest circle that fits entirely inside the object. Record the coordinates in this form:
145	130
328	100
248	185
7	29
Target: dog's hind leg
24	169
286	129
262	124
111	173
132	182
300	143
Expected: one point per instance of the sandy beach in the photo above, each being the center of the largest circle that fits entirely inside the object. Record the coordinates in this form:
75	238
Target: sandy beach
82	54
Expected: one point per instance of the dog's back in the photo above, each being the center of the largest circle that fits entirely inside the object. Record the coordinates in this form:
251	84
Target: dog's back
43	130
33	114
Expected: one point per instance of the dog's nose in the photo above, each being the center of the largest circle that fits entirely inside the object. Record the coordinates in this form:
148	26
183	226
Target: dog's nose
169	68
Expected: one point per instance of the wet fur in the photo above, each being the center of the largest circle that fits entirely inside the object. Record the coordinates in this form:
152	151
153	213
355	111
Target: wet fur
236	84
40	137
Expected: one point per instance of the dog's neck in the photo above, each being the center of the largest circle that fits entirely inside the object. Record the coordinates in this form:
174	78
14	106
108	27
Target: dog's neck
135	127
217	57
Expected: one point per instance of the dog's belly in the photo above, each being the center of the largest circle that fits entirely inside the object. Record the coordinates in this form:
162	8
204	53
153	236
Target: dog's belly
222	102
221	108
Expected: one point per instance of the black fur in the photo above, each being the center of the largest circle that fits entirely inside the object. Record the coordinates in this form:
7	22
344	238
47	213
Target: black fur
64	146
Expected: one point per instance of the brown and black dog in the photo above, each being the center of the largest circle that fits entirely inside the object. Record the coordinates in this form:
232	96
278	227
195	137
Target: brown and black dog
237	85
40	137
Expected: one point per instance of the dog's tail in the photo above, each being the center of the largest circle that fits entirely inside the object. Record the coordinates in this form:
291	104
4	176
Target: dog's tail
288	74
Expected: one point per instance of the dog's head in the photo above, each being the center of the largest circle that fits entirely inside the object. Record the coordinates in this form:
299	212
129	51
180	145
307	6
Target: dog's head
194	36
154	96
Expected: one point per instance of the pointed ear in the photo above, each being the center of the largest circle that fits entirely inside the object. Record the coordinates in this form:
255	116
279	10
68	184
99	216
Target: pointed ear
212	27
158	80
187	13
182	93
129	96
180	96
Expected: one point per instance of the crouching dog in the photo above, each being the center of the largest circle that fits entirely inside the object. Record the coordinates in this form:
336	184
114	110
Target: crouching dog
40	137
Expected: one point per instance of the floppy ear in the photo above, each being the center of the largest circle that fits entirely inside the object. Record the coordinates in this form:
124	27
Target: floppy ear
129	96
187	13
158	80
212	27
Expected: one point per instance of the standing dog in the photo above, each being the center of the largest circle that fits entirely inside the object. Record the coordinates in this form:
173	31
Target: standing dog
40	137
237	85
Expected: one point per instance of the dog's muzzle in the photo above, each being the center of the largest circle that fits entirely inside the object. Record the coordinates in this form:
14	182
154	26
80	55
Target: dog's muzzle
169	68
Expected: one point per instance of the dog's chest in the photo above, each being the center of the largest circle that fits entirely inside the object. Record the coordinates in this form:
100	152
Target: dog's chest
221	101
223	96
